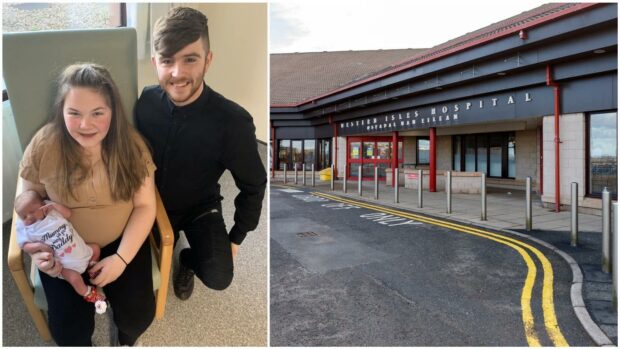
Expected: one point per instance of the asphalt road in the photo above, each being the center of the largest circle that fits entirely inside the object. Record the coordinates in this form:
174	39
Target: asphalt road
346	273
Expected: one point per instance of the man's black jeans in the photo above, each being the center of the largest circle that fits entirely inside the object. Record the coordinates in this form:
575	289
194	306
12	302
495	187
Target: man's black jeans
211	255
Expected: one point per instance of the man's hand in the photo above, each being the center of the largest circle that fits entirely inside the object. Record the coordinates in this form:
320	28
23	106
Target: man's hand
234	248
107	270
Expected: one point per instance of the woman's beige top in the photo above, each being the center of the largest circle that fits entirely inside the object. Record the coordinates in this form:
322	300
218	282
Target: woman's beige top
94	214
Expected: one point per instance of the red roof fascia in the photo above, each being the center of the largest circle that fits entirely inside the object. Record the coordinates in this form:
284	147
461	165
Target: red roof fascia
292	105
433	57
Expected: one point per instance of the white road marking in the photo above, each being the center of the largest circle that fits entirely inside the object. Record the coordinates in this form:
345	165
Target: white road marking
291	190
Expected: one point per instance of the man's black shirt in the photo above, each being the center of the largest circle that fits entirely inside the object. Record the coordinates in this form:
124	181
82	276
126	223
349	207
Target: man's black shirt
193	145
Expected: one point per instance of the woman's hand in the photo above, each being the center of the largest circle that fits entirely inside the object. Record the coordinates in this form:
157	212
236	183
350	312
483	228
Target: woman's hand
108	270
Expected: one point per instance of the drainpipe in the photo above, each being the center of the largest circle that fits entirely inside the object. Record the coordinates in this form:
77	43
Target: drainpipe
335	132
433	171
556	108
394	156
273	150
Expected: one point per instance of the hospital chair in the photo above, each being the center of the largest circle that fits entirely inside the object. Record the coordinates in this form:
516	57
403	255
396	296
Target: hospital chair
32	63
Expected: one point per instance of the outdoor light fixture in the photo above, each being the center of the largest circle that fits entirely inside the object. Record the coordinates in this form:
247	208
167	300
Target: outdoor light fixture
523	34
501	73
600	50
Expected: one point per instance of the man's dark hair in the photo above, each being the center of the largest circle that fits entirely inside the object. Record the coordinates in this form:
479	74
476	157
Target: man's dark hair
180	27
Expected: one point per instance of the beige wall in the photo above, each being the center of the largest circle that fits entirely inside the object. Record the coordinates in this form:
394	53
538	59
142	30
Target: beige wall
572	157
527	155
238	34
444	153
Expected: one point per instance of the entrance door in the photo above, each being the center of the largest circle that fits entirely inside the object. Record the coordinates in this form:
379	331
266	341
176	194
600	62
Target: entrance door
369	152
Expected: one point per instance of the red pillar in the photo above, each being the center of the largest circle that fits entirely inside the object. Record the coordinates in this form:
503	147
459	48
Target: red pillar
433	173
335	128
556	119
394	156
273	150
556	94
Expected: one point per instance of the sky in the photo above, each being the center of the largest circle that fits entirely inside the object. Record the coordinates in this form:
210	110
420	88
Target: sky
339	25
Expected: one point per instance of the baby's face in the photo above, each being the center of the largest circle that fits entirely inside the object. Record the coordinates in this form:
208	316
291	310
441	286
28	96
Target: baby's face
31	213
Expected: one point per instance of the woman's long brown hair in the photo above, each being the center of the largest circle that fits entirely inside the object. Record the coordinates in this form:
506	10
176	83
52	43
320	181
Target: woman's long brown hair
120	153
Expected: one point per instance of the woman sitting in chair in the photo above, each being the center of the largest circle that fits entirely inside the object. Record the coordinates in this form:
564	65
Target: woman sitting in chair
90	159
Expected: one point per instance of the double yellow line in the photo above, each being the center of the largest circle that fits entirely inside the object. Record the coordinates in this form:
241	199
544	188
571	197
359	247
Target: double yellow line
550	320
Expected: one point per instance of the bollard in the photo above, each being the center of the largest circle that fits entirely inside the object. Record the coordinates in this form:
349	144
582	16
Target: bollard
295	173
303	173
614	256
528	203
448	191
606	230
574	214
284	173
483	195
359	181
344	183
420	188
312	175
396	185
376	183
331	182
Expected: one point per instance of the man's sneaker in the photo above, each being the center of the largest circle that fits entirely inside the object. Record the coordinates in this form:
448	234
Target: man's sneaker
184	280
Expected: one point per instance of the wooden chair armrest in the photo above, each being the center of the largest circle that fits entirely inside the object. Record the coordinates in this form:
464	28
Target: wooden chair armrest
15	254
163	223
165	250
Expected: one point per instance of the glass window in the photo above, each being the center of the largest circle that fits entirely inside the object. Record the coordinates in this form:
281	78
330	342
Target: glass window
382	166
603	157
283	154
481	165
456	153
368	170
354	150
384	150
354	169
492	153
424	146
511	156
23	17
369	150
297	154
309	149
495	155
470	153
324	154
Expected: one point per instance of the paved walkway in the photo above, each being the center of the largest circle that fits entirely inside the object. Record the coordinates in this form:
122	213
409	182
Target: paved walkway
506	211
